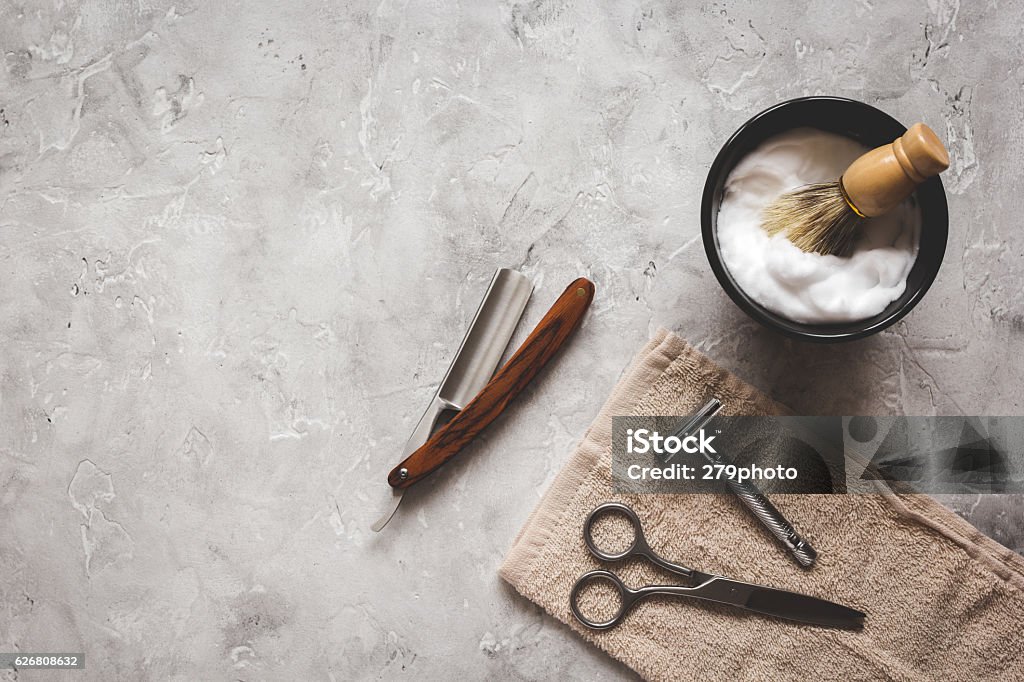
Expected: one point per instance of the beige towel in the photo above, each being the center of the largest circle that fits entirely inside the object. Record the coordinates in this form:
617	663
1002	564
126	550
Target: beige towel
943	601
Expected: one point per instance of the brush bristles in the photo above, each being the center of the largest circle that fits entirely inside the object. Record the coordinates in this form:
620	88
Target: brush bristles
815	218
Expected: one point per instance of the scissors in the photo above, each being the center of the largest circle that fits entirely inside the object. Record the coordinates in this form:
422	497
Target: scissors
765	600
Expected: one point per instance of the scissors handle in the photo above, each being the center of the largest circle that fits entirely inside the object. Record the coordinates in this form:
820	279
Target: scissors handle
627	598
639	547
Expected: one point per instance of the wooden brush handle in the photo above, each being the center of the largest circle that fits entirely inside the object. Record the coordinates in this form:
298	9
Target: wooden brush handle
878	181
540	346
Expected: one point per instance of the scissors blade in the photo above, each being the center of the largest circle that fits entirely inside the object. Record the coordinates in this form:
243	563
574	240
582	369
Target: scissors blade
780	603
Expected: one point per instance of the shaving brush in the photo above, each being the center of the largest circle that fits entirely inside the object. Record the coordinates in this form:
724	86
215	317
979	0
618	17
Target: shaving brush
825	217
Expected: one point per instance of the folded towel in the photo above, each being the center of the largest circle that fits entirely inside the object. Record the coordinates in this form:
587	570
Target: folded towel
943	601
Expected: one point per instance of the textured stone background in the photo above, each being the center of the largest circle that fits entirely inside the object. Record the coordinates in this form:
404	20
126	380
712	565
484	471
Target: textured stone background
240	242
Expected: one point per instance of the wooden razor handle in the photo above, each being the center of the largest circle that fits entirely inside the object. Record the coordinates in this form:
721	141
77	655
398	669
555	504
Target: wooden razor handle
876	182
540	346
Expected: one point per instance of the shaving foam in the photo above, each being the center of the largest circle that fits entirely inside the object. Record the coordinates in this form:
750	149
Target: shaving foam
811	287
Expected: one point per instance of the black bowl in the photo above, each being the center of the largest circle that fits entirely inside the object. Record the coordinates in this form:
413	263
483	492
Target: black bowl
872	128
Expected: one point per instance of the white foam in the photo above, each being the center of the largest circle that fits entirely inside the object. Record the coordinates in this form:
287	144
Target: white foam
810	287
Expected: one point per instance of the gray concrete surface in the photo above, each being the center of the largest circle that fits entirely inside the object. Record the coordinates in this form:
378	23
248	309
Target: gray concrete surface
240	242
